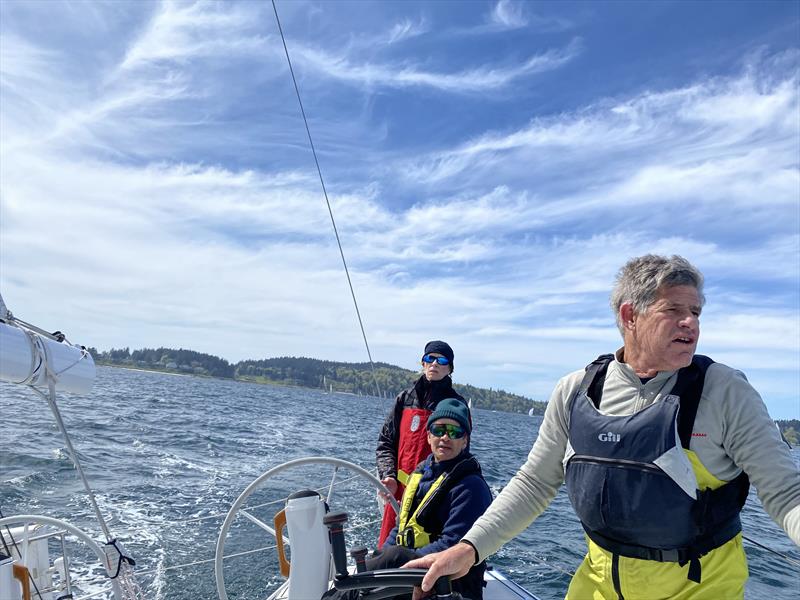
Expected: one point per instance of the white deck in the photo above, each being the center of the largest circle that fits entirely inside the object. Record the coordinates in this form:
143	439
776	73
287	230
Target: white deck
499	587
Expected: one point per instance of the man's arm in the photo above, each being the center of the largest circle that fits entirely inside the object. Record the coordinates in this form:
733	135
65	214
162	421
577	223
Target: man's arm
536	483
521	501
752	441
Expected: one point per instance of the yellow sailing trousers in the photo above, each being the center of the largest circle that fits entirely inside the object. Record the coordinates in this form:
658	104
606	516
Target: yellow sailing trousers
723	570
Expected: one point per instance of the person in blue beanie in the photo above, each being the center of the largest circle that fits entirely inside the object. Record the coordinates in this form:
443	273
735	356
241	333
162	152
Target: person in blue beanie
444	496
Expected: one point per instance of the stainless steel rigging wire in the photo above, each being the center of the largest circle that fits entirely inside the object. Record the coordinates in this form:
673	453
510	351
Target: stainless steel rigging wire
786	557
327	202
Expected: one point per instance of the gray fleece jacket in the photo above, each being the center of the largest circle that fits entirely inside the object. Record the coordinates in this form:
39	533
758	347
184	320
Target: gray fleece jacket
732	432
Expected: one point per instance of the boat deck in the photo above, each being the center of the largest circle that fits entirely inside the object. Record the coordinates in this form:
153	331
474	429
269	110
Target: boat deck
500	587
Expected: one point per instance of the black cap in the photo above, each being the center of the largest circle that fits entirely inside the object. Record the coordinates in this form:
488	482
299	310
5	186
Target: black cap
440	347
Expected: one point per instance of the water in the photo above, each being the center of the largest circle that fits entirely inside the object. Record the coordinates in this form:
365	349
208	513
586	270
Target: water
163	452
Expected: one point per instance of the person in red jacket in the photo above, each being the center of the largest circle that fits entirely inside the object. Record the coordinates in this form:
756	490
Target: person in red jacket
402	443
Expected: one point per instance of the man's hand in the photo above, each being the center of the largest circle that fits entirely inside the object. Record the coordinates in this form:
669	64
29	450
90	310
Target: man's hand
455	561
391	485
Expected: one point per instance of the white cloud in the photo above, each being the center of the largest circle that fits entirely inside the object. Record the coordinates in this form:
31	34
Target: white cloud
181	31
741	115
404	30
508	14
513	14
507	250
753	332
405	75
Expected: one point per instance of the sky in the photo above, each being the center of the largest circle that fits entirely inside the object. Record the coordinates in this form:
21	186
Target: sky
490	167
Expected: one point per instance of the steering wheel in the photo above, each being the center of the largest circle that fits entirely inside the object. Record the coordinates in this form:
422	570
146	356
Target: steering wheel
383	583
259	482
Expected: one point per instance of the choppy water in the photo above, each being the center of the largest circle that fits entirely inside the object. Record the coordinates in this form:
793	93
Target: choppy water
164	452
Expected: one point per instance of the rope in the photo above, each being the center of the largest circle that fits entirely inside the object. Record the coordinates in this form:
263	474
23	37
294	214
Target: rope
327	201
37	357
263	504
238	554
130	587
543	562
206	561
84	354
787	558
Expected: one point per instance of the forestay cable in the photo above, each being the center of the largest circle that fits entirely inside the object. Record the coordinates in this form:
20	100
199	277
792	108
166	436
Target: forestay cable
327	202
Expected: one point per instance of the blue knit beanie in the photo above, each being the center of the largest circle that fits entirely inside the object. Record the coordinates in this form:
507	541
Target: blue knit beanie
450	408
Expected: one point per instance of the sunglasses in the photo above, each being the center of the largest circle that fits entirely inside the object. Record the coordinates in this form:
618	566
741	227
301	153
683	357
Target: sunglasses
429	358
454	432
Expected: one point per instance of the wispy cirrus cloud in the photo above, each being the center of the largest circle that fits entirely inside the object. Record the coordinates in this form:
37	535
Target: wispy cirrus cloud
406	30
508	14
184	31
475	79
693	122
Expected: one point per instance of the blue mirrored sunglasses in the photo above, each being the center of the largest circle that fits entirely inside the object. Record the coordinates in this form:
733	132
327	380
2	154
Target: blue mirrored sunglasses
454	432
429	358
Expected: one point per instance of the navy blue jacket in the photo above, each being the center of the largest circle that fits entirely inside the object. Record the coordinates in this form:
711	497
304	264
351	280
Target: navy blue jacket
465	501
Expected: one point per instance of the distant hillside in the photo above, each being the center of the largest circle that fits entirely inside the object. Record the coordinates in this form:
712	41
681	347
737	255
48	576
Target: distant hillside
166	359
791	430
354	378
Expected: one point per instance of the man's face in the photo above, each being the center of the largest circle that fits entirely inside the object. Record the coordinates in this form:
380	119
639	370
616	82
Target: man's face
433	370
444	447
664	337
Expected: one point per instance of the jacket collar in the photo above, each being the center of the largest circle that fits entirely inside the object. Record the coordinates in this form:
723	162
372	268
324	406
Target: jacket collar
437	468
626	372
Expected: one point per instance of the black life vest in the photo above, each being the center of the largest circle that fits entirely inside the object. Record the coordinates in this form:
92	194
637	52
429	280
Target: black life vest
631	483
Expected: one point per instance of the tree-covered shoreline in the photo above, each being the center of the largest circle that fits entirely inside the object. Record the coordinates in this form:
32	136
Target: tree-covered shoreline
790	428
354	378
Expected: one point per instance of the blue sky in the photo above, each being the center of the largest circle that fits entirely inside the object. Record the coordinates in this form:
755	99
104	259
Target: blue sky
490	165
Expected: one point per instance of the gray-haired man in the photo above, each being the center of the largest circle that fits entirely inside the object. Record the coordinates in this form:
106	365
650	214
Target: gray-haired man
657	446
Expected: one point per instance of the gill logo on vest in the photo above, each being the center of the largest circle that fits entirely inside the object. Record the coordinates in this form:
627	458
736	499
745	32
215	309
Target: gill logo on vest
609	437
